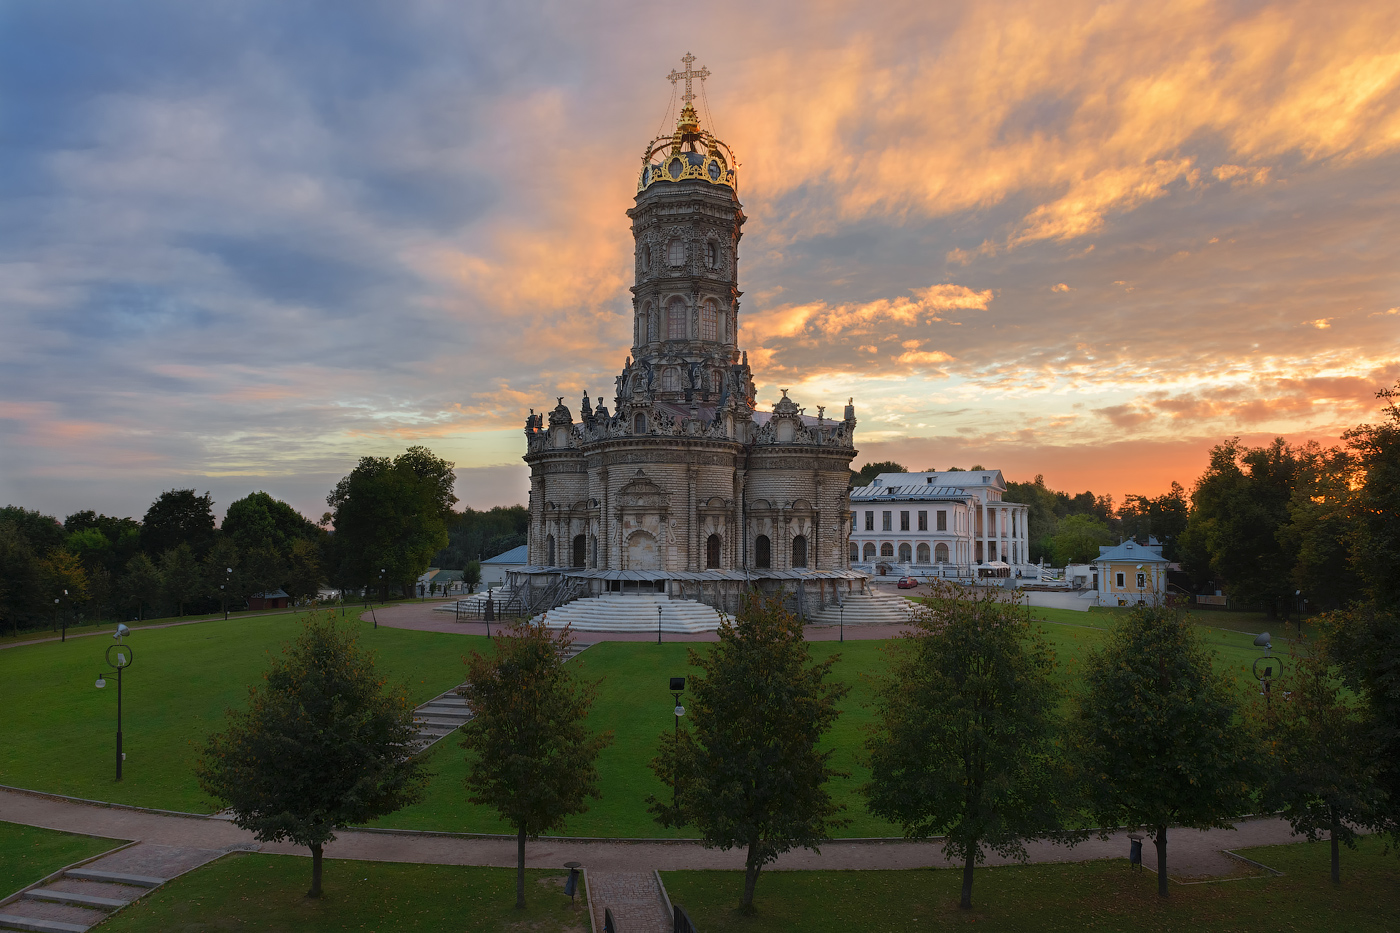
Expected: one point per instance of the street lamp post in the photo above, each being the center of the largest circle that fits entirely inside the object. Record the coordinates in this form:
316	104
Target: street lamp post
223	593
372	613
843	623
677	688
658	625
1267	674
119	657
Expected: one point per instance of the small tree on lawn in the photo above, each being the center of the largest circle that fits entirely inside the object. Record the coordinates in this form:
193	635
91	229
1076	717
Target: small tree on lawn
1323	769
324	743
471	576
1158	737
964	742
531	756
750	771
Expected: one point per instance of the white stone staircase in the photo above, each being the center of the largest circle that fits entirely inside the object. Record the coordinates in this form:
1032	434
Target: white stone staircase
613	612
866	609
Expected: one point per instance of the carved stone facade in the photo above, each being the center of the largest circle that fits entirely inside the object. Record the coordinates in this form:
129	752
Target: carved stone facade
684	474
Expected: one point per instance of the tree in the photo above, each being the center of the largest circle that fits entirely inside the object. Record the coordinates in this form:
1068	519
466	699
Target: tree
141	584
471	575
219	582
1322	772
1237	510
304	574
20	575
1043	515
964	742
1321	529
1364	643
323	743
182	576
476	535
1158	736
178	515
1077	539
391	515
1376	507
258	520
866	475
752	774
530	754
1162	517
64	578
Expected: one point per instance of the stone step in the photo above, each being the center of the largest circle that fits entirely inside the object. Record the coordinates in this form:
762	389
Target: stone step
444	712
49	917
15	922
70	897
95	874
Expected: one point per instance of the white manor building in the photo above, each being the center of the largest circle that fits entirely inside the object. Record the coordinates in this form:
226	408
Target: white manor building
952	524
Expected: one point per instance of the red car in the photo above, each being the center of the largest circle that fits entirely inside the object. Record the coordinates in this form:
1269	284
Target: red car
907	583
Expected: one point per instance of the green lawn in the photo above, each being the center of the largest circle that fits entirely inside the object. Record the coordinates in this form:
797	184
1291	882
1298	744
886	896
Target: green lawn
58	732
1101	895
265	894
28	853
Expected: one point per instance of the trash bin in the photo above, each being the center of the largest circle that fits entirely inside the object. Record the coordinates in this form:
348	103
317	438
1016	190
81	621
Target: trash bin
1135	850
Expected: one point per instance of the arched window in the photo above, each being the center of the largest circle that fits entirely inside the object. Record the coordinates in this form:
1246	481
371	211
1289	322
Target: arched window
675	319
762	552
675	252
799	551
887	550
580	551
921	553
549	551
639	424
709	320
906	554
670	379
855	551
711	254
649	316
940	553
869	551
712	552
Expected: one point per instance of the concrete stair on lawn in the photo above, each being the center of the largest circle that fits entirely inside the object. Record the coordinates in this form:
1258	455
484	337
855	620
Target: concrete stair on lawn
445	713
866	609
473	601
632	612
80	898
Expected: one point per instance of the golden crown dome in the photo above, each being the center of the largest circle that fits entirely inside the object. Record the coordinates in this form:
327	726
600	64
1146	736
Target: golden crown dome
690	153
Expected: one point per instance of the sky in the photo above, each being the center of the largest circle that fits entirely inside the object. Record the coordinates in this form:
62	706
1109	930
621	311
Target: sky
244	244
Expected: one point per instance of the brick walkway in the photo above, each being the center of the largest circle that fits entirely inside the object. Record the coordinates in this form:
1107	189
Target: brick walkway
632	896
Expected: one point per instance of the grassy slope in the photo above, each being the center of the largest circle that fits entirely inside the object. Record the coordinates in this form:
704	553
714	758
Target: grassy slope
58	731
28	853
1102	895
58	735
264	894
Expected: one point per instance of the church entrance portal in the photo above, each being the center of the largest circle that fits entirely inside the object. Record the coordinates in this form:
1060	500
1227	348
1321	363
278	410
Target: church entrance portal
580	551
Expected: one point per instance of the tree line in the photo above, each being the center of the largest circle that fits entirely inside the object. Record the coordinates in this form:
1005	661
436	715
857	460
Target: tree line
389	520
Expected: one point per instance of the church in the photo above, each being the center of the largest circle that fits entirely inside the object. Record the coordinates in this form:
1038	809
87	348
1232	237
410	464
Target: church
683	488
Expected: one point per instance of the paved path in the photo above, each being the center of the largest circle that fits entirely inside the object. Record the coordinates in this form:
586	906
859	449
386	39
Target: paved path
1191	852
633	897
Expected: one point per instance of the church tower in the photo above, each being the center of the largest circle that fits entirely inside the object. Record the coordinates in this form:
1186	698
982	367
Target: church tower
684	487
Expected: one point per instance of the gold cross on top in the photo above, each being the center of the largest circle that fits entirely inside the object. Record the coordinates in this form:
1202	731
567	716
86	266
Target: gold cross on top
688	74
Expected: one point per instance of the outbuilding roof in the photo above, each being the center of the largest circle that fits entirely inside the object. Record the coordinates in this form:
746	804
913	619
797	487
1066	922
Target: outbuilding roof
1131	551
516	555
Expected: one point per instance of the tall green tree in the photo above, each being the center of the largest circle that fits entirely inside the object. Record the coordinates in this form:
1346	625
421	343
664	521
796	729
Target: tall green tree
177	516
964	741
748	769
1158	735
1376	506
1077	539
530	754
141	584
1321	767
1320	534
390	515
181	576
222	571
258	520
1238	509
1162	517
20	576
304	574
323	743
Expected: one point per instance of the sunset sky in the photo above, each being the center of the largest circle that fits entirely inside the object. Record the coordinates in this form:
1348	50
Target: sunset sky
244	244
